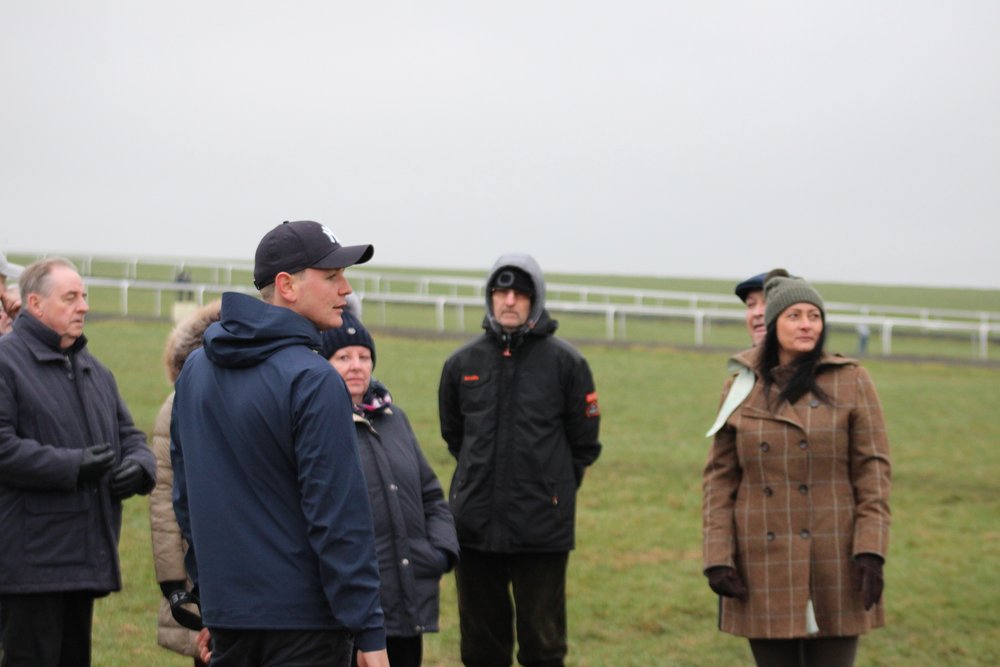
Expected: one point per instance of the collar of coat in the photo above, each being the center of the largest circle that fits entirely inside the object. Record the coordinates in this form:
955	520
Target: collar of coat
43	342
786	412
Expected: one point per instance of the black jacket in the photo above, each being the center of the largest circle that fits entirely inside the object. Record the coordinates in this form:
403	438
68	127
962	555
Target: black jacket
520	414
414	530
58	535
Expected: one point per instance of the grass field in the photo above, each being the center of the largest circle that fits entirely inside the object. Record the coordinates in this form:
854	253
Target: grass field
636	595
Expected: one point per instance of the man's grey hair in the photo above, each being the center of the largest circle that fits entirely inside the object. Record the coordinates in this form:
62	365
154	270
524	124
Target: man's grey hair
37	277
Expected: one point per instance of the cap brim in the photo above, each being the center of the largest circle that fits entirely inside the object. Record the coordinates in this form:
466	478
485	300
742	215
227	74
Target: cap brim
12	271
345	256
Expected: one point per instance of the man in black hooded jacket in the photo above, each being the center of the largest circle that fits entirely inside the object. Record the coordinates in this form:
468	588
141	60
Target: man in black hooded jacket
519	412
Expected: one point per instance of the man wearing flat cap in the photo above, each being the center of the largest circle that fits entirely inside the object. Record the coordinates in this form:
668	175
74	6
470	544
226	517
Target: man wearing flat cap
519	412
268	487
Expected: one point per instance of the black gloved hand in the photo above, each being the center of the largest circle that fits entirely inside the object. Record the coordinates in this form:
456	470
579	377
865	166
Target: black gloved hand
726	581
185	617
868	578
127	480
96	460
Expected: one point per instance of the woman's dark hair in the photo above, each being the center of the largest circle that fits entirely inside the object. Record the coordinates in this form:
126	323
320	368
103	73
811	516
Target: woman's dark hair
803	378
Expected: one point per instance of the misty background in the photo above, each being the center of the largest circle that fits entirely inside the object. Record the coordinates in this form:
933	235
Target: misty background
849	142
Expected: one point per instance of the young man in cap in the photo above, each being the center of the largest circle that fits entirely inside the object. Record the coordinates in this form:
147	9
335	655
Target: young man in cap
268	488
519	412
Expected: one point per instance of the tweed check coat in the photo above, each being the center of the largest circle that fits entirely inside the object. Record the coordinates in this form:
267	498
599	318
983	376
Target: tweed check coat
790	495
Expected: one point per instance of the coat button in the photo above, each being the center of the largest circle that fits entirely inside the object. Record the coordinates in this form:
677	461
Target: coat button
803	444
803	489
405	562
804	534
770	536
764	447
418	628
768	491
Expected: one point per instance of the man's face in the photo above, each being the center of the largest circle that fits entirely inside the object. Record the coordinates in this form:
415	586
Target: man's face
65	307
755	317
511	308
322	295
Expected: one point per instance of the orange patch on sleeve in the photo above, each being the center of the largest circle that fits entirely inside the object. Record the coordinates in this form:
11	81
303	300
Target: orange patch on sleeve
592	409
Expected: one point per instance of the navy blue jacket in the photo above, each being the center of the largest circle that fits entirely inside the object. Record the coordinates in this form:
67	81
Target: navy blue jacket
268	488
58	535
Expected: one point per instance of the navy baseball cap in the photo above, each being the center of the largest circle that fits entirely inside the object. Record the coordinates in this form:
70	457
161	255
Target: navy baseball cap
754	284
303	244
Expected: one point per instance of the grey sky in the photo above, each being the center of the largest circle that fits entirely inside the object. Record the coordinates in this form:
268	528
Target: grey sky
848	141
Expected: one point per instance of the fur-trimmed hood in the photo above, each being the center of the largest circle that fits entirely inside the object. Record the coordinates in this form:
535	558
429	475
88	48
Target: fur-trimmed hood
187	336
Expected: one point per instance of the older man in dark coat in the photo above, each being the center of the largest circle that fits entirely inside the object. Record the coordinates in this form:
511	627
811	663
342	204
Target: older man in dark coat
69	455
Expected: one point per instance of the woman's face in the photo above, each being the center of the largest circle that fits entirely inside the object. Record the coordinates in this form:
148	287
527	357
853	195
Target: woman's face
798	327
354	363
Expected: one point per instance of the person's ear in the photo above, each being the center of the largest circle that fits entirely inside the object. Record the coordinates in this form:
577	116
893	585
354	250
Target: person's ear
285	286
35	305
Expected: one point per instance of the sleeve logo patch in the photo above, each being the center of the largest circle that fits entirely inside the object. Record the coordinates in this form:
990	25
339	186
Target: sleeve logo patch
592	409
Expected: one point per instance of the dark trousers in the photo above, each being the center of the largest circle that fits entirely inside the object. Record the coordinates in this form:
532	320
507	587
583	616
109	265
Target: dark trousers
47	629
270	648
819	652
403	651
488	616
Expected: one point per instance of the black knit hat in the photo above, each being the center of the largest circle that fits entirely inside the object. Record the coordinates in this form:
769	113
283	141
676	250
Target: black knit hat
511	277
351	332
294	246
782	291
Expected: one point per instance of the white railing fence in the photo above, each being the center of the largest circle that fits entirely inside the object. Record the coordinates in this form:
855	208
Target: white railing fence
616	306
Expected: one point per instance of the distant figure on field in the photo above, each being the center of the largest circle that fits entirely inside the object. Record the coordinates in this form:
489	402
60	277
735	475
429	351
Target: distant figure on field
414	530
796	494
69	455
519	412
184	276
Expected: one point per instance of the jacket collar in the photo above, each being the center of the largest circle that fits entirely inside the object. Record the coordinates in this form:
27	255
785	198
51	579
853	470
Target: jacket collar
43	342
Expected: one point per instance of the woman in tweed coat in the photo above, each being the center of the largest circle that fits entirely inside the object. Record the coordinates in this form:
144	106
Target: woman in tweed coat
796	494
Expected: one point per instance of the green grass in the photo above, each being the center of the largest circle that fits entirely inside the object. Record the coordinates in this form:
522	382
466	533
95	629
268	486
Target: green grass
636	595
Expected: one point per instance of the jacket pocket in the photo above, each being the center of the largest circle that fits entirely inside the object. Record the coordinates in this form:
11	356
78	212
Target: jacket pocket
57	528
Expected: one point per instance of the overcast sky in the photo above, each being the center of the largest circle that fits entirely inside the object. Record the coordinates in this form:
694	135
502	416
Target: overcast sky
850	141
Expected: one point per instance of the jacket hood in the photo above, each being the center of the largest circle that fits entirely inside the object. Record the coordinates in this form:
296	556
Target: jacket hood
187	337
250	331
527	264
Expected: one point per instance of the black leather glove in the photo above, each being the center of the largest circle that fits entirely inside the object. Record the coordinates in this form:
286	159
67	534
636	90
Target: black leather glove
97	460
868	578
128	479
178	598
726	581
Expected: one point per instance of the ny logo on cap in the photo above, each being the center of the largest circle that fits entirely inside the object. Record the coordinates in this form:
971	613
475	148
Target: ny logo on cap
329	234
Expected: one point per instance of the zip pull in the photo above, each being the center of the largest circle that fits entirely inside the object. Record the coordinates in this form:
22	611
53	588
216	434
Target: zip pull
69	366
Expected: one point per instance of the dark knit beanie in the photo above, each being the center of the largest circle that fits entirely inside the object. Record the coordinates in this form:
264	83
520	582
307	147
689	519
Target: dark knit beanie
511	277
351	332
782	291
